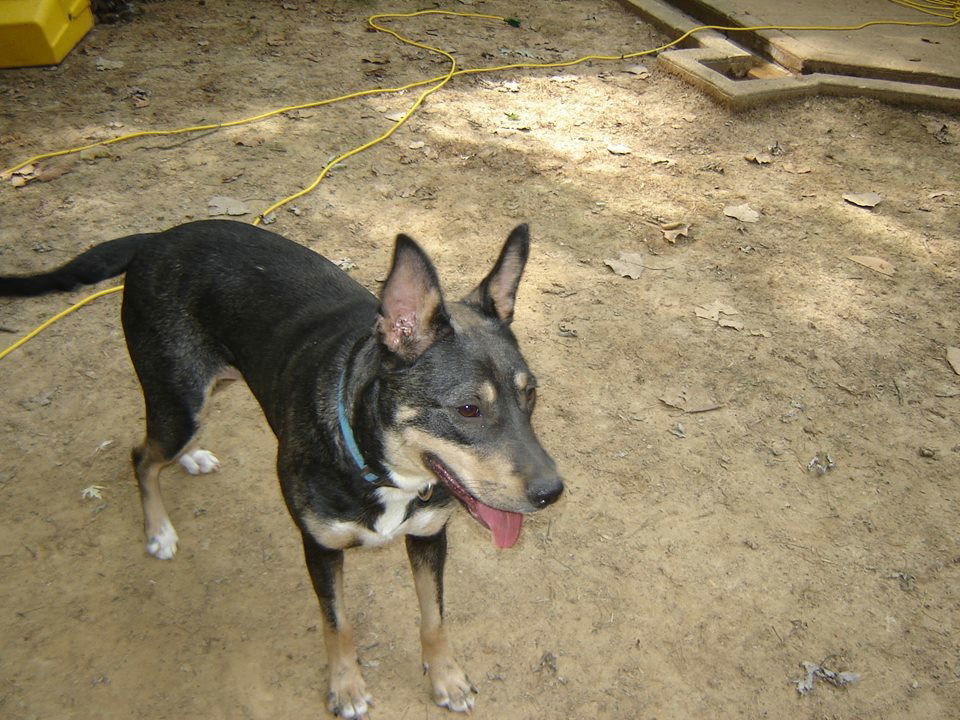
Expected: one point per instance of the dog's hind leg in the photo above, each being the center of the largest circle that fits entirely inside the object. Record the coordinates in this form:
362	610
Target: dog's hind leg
171	426
451	687
348	696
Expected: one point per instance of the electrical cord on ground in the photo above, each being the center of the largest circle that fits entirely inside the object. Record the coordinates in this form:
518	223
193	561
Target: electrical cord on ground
947	9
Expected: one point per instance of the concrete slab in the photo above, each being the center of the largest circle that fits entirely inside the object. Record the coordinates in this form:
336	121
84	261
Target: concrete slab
915	65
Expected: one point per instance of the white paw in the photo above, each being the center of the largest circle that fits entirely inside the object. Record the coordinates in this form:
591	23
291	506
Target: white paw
199	462
451	687
348	697
163	544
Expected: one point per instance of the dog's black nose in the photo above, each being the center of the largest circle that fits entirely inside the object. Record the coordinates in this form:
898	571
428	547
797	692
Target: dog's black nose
544	494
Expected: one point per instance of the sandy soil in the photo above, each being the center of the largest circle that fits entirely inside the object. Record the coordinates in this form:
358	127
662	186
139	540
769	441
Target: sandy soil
695	561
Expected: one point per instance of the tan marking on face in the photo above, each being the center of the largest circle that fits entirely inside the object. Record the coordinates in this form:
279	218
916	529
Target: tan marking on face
405	414
490	478
488	393
521	379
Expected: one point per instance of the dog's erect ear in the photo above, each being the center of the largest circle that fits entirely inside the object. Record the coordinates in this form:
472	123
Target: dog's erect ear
497	293
412	315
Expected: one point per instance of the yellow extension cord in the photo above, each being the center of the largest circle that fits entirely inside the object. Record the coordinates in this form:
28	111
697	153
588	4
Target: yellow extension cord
947	9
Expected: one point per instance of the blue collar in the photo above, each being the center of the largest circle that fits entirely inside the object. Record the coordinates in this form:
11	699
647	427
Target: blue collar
348	439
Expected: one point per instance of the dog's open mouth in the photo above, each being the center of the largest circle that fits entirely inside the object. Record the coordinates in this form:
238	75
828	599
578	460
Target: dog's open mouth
503	524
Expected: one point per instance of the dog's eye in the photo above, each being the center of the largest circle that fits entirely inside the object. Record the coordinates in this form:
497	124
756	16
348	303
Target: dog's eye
469	411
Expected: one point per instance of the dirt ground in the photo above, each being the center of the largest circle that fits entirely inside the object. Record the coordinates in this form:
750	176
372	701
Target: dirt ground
696	559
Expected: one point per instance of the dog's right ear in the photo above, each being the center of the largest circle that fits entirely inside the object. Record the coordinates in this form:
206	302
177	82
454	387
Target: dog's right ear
412	315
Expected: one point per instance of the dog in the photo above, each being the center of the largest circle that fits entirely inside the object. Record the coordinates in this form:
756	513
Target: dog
388	413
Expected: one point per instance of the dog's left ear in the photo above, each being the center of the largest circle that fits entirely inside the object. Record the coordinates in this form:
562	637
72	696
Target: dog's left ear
497	293
412	315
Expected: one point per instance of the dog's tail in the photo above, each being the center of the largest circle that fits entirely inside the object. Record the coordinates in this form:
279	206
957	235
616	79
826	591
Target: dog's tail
104	261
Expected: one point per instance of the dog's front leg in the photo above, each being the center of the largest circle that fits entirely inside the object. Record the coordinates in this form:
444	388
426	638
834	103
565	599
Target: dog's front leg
451	687
348	697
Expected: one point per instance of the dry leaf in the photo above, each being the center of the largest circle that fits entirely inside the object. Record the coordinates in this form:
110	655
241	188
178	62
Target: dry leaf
104	64
395	117
416	144
616	149
626	265
867	199
638	70
953	357
714	310
249	142
796	169
696	401
95	153
52	172
743	213
672	231
223	205
874	263
376	59
761	158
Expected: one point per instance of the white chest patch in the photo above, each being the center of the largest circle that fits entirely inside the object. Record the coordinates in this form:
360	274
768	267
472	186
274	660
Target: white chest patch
338	534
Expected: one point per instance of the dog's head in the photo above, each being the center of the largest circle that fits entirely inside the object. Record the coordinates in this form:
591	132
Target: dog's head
456	394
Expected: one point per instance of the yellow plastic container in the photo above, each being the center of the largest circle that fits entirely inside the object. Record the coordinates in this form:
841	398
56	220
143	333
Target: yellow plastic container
41	32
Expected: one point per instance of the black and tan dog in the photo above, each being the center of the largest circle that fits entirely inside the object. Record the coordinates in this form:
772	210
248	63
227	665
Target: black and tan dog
384	412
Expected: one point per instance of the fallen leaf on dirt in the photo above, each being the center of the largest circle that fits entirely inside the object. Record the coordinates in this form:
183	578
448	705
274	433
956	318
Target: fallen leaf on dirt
375	59
628	265
714	310
223	205
730	323
796	169
674	230
940	130
640	71
416	144
665	161
299	114
565	330
689	401
55	170
761	158
104	64
26	174
867	199
679	430
953	357
249	142
395	117
617	149
743	213
812	670
876	264
95	153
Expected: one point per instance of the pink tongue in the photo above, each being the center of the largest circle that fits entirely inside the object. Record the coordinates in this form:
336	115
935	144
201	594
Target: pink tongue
504	525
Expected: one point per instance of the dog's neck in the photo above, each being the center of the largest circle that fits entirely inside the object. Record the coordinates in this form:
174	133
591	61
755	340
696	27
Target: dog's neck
349	440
